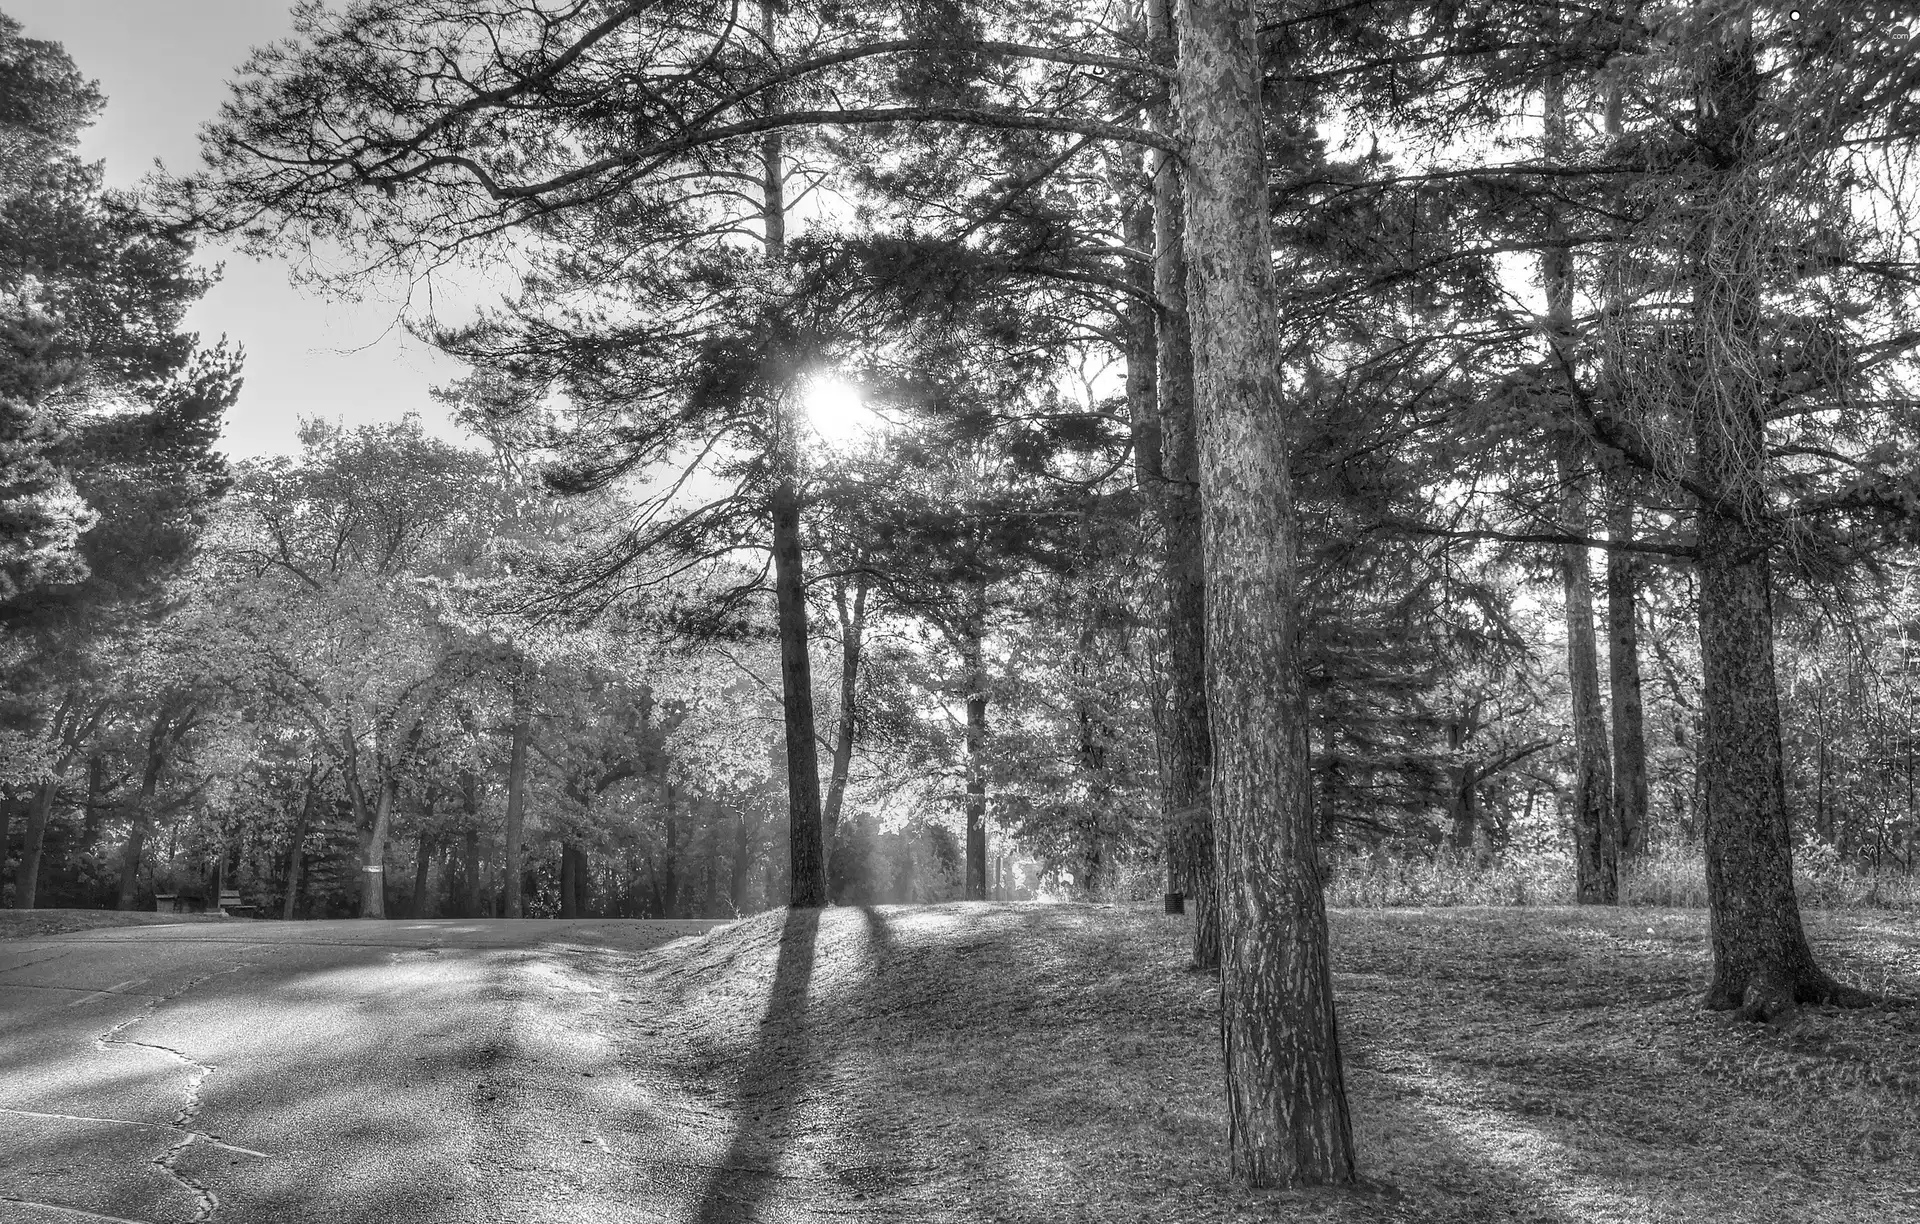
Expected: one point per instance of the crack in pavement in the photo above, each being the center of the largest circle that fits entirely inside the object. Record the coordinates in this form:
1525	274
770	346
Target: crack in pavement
72	1211
30	964
82	990
197	1075
201	1135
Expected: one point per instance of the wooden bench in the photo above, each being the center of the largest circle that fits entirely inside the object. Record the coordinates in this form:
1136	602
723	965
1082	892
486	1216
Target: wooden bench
189	903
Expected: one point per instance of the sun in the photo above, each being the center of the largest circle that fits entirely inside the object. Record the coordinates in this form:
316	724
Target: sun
836	410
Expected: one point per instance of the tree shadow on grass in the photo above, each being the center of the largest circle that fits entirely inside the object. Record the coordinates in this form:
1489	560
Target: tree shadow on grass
772	1084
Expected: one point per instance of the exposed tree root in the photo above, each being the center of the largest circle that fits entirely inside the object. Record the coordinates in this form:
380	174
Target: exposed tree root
1768	997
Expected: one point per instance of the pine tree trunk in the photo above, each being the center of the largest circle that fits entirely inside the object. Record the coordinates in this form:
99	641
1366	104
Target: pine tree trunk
1596	877
1595	846
1186	805
806	854
1761	961
1286	1095
1623	669
512	904
807	878
1630	799
26	877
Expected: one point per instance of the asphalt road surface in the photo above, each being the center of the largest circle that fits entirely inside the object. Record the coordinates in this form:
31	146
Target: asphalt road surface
276	1073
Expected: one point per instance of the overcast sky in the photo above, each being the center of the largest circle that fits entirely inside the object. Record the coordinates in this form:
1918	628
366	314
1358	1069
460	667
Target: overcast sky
163	65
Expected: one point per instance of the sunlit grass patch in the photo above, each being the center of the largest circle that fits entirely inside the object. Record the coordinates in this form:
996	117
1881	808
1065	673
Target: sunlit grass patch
1058	1062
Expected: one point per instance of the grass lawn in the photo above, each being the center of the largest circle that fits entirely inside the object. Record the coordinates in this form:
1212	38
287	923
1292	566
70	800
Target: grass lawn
25	924
1057	1063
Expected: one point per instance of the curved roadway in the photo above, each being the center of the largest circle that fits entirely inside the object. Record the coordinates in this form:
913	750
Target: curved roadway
402	1071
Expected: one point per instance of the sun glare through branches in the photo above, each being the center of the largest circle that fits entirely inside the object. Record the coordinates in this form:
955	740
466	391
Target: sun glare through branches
837	412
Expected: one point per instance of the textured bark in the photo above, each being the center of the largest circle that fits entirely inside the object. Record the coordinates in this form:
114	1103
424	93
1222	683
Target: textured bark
1623	671
1286	1096
511	903
1761	961
1186	805
807	876
806	854
26	877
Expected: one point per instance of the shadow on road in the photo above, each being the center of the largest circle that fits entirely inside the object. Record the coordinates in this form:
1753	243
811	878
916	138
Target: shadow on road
771	1085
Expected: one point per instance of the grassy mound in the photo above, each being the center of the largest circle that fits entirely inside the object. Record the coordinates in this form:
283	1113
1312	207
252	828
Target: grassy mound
26	924
1057	1063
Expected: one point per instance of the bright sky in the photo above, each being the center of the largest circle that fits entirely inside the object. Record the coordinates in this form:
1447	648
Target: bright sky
163	65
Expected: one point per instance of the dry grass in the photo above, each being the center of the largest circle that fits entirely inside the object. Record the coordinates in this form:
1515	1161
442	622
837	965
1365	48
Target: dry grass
1666	878
25	924
1057	1063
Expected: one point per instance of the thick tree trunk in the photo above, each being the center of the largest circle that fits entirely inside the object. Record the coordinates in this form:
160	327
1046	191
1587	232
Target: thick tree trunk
297	849
1623	669
1286	1095
1761	960
512	903
26	877
1186	805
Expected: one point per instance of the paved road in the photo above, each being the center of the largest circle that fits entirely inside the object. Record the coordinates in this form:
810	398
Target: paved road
278	1073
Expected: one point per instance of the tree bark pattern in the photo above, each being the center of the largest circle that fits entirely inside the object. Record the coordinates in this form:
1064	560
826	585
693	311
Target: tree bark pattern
1761	960
1286	1097
1187	806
